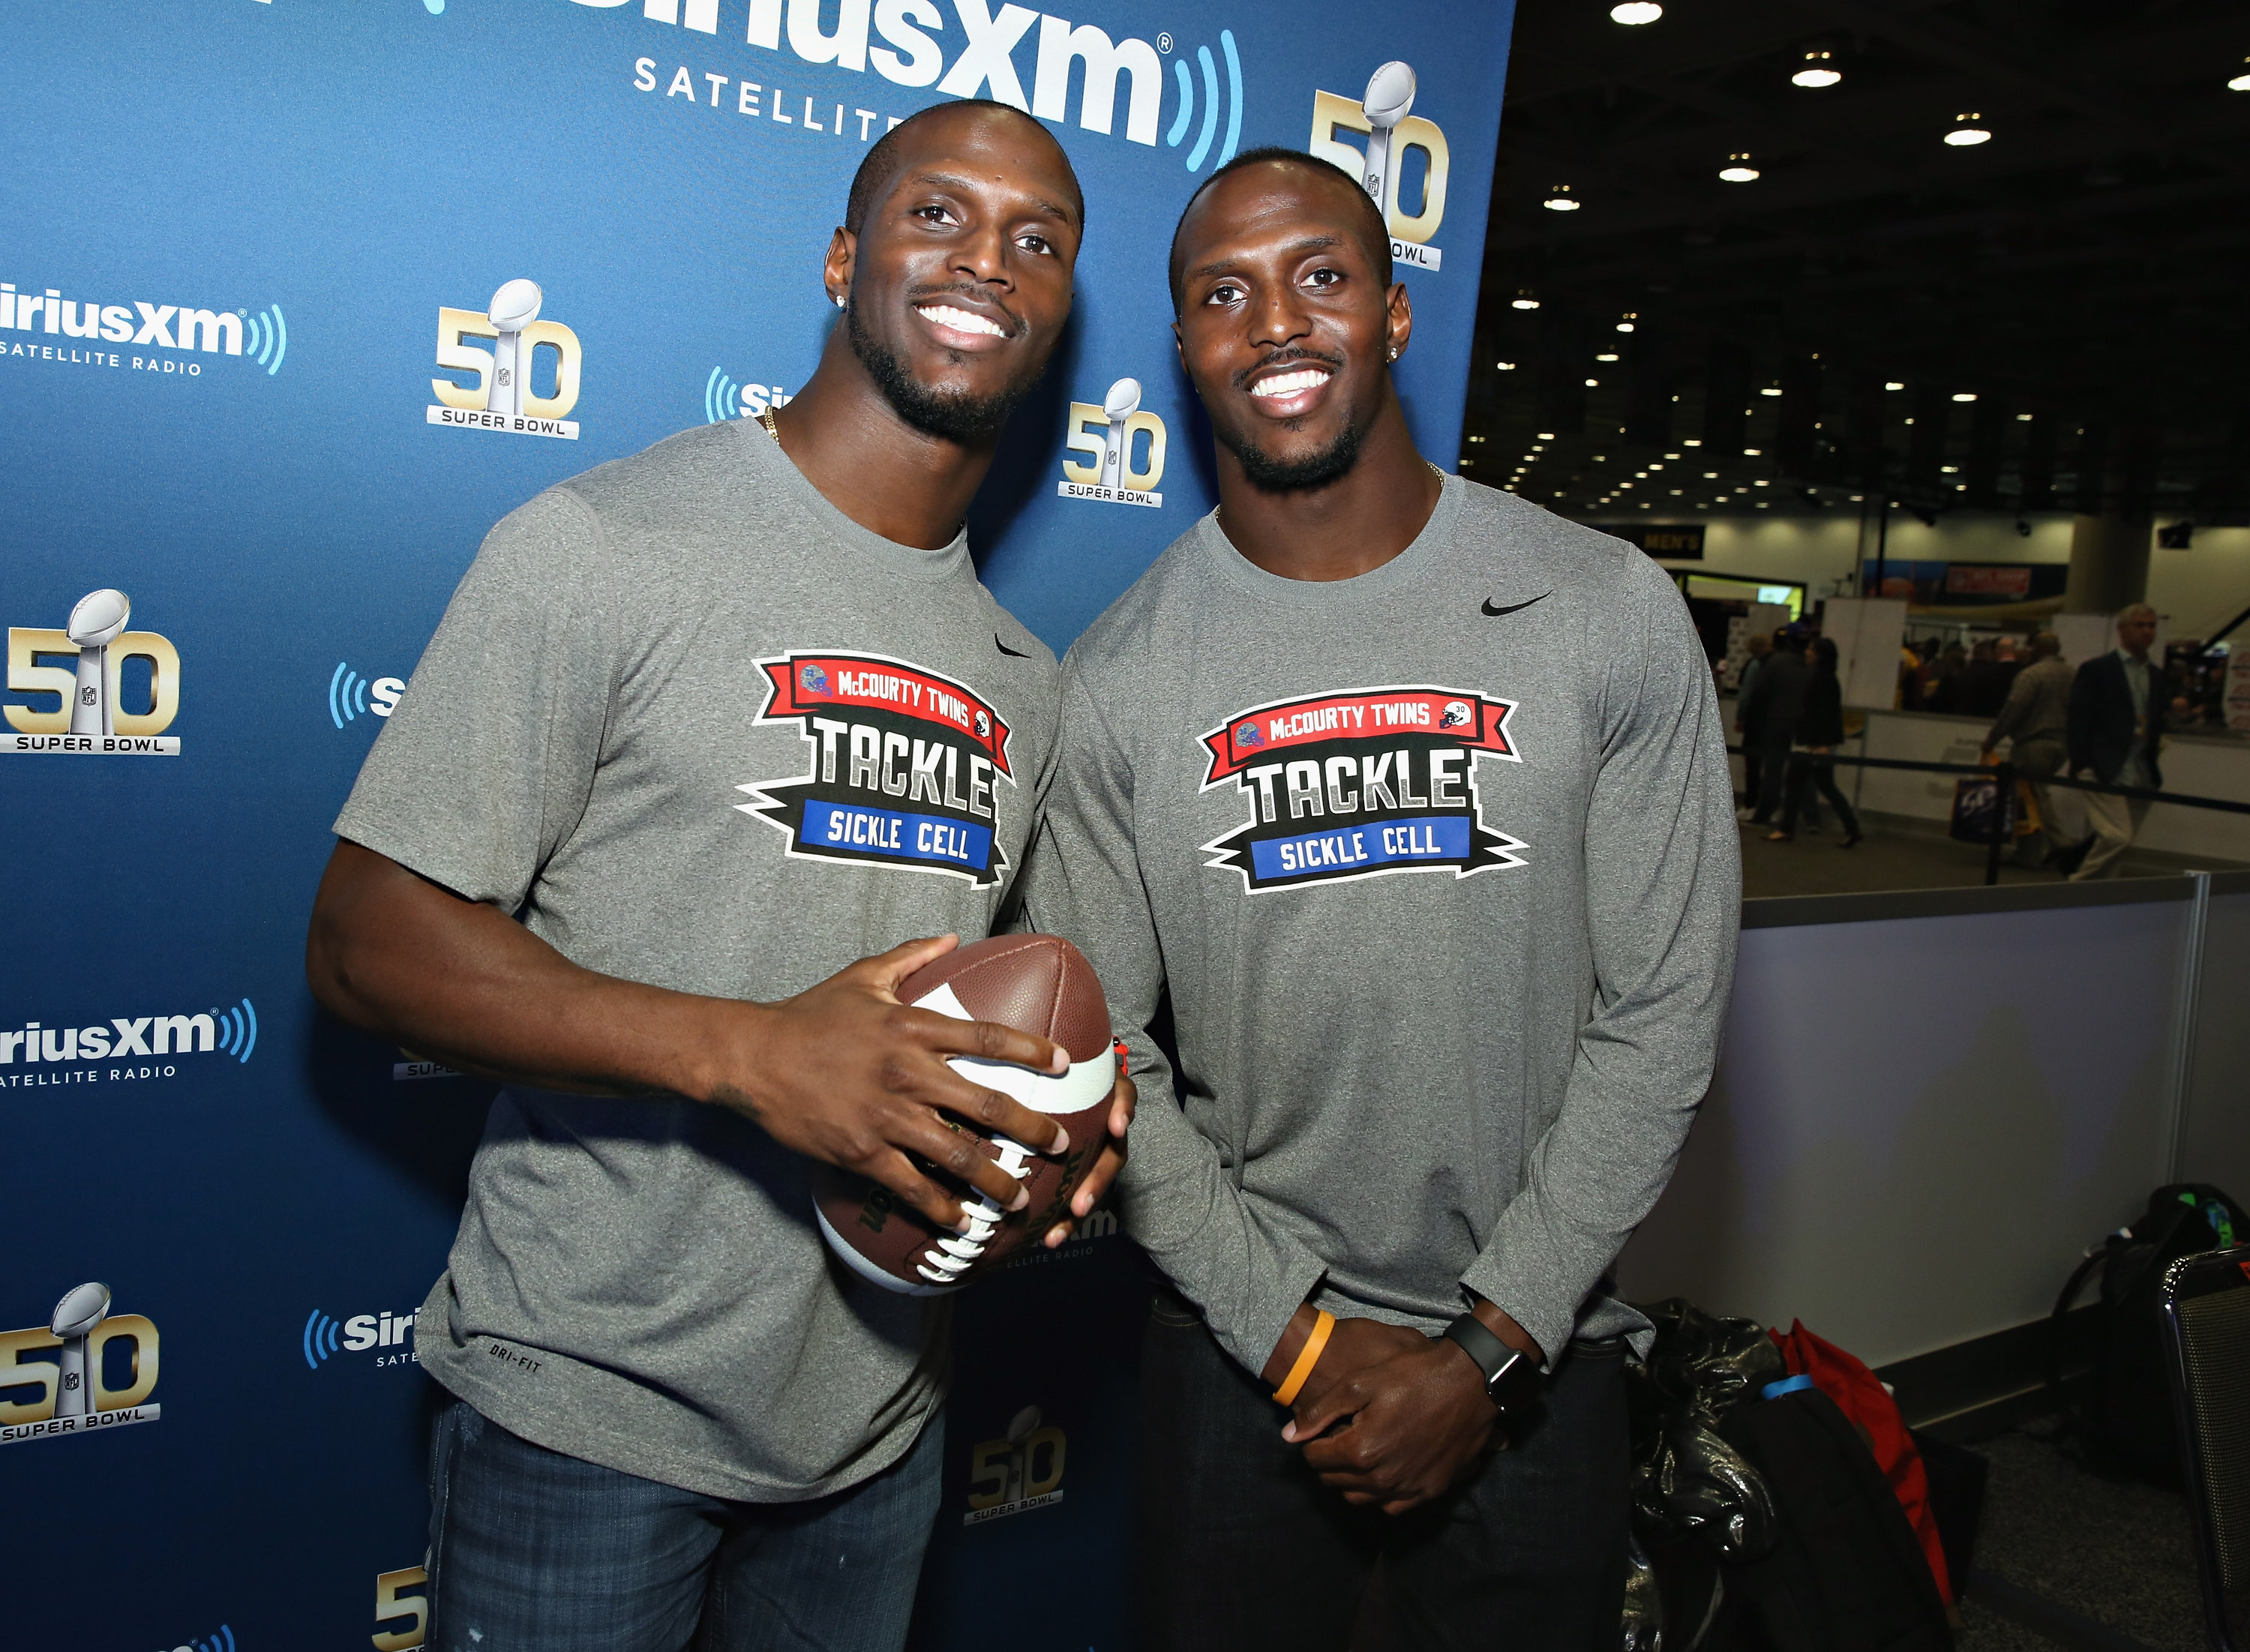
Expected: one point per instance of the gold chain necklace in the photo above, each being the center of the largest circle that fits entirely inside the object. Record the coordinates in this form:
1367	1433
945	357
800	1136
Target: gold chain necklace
766	418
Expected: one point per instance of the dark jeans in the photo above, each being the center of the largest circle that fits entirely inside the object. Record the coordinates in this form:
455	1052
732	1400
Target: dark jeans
532	1551
1806	772
1241	1547
1773	777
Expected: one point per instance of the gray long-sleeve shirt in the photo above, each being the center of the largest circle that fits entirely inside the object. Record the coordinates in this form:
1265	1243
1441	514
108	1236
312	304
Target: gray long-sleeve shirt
1440	865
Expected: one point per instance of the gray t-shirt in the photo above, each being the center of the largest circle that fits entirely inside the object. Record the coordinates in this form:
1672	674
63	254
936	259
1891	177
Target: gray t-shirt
695	727
1440	864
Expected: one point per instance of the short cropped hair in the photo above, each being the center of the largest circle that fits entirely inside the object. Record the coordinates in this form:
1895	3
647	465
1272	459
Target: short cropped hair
1378	233
875	165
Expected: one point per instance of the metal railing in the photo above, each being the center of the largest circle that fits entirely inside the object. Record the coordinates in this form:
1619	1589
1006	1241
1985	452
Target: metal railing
2006	774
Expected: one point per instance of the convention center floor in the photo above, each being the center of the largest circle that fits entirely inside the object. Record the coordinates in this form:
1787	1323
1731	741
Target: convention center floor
2095	1565
1902	853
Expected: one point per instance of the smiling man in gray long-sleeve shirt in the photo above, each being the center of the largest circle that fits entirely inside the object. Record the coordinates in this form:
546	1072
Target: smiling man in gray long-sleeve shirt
1415	796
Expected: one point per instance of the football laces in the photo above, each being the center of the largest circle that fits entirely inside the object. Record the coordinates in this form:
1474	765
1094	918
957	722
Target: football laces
945	1262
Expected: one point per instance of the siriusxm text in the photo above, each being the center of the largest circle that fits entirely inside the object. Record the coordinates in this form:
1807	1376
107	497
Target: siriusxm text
123	1037
170	326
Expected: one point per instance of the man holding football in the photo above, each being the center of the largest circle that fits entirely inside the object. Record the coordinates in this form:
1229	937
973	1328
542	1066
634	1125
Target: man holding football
1415	800
618	849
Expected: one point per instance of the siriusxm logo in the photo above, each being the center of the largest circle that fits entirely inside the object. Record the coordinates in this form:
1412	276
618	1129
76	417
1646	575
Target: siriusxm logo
724	399
351	696
901	40
324	1336
220	1639
225	1032
181	328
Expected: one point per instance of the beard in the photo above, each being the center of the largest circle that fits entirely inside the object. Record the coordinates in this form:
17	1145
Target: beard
1313	469
951	415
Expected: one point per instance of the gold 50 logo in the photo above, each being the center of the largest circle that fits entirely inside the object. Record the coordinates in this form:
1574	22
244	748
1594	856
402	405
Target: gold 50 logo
502	398
89	717
1390	131
72	1398
392	1603
1021	1472
1107	433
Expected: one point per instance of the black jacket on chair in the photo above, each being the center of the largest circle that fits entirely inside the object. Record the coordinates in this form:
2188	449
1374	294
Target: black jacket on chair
2101	719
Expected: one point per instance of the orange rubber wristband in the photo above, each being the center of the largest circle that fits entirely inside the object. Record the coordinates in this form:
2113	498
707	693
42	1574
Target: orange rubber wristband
1307	1357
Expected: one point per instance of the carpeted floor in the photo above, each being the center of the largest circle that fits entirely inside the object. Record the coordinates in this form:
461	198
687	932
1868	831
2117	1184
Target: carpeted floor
2119	1555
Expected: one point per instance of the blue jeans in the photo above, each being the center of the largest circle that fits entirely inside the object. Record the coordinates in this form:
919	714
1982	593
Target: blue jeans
1242	1548
532	1551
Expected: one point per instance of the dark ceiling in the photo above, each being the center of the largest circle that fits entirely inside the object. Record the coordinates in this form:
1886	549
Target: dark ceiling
2079	275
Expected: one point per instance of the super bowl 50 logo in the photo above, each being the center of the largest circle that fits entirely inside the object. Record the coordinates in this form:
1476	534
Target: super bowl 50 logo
1114	473
1392	134
503	397
1020	1471
89	717
75	1394
1360	783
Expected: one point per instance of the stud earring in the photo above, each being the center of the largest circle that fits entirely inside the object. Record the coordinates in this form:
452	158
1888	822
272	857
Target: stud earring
839	300
1394	352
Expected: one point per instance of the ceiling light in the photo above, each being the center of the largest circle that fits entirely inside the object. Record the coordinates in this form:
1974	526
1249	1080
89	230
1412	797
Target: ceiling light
1964	395
1523	300
1710	475
1752	451
1625	321
1505	367
1559	200
2240	82
1771	389
1546	436
2023	418
1968	129
1607	355
1738	168
1592	383
1950	470
1817	70
1894	385
1633	13
1692	441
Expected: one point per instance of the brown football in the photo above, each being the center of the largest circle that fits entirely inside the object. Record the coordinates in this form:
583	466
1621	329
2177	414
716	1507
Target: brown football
1035	984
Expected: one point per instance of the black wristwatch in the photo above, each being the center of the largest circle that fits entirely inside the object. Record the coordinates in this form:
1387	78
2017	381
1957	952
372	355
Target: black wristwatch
1510	1376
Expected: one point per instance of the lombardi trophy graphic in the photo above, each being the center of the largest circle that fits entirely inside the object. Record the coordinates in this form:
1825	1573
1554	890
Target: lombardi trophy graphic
96	623
1389	98
1120	404
76	1316
514	307
1019	1468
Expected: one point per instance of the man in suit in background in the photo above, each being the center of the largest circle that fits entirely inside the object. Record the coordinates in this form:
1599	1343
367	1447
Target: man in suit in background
2116	725
2037	718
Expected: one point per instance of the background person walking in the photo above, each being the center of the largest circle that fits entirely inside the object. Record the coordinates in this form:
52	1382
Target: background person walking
1819	732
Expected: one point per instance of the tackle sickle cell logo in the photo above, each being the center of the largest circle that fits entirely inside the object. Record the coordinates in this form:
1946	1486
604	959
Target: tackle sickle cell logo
1360	783
905	766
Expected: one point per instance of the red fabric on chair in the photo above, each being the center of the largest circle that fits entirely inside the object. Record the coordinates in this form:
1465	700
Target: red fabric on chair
1859	1394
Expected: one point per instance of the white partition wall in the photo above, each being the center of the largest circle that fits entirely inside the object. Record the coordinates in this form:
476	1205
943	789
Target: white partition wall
1920	1120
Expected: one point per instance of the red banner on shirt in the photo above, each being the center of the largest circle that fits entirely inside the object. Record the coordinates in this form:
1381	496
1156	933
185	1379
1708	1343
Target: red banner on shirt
806	685
1460	717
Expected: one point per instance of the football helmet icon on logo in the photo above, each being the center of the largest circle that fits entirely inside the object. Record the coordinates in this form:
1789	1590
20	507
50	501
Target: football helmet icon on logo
815	679
1456	715
984	725
1248	735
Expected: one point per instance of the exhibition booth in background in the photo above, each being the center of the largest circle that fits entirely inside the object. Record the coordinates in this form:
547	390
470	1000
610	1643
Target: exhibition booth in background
251	330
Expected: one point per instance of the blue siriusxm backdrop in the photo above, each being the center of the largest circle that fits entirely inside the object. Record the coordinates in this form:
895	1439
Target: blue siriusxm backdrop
240	235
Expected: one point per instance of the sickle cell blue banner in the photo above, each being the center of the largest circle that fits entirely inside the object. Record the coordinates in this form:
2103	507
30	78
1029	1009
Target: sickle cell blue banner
297	299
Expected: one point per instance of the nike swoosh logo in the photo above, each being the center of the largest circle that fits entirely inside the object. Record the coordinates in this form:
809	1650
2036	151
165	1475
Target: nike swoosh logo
1013	653
1513	608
